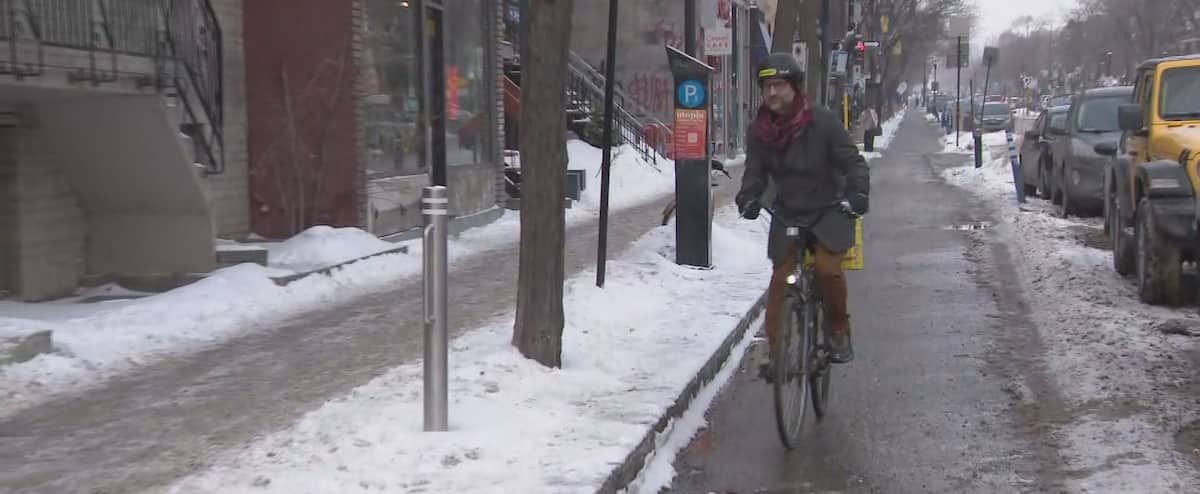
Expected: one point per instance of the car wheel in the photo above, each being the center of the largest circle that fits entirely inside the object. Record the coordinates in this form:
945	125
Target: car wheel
1045	187
1158	264
1065	208
1122	248
1031	190
1056	183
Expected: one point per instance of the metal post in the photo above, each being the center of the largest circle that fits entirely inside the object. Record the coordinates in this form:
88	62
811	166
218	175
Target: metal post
434	205
610	67
1016	166
958	91
689	26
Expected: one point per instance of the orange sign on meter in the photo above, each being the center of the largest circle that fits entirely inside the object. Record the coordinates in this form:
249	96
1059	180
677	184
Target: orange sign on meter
691	129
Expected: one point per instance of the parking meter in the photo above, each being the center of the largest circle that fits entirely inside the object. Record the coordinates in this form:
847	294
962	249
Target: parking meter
693	191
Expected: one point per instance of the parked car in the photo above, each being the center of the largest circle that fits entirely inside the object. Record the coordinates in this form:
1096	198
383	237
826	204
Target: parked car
1152	178
1078	178
1035	155
1061	100
997	116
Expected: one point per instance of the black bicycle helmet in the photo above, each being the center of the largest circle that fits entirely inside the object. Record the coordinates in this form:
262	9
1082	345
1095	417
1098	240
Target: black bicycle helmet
780	65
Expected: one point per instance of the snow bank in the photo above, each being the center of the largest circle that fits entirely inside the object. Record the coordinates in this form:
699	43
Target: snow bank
322	246
889	128
1101	346
634	180
517	426
116	336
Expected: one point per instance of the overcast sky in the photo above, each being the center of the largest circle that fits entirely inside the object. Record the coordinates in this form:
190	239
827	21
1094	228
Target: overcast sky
995	16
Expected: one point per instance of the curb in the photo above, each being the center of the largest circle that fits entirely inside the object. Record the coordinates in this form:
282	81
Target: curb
292	278
628	470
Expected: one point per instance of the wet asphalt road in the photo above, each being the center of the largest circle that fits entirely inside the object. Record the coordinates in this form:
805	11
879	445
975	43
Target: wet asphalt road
939	333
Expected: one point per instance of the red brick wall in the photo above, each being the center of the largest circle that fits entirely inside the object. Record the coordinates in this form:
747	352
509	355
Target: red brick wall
307	47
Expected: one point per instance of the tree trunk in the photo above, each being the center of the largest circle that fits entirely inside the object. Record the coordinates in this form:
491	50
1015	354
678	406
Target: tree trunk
537	332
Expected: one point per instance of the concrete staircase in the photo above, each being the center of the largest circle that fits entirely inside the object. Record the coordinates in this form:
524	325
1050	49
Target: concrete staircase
111	123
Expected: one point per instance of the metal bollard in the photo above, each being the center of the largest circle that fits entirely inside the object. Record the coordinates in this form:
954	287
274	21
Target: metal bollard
434	207
1016	167
977	135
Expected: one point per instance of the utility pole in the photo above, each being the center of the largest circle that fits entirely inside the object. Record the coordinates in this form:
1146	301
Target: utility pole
957	89
689	27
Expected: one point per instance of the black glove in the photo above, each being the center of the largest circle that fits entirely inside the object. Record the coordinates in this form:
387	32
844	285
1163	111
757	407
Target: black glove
859	203
748	205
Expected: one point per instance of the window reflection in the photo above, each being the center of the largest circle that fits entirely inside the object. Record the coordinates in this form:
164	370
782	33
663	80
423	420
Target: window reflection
466	86
393	134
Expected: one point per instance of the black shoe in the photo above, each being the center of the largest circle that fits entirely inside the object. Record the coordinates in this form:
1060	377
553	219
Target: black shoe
841	349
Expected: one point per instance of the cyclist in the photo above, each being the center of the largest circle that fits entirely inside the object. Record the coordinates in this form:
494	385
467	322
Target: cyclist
810	161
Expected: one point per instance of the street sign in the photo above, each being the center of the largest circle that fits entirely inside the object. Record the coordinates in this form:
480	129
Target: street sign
690	133
718	42
690	94
991	55
960	26
965	60
838	63
800	53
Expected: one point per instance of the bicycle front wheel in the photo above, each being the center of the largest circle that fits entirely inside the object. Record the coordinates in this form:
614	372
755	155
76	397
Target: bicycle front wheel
819	370
790	355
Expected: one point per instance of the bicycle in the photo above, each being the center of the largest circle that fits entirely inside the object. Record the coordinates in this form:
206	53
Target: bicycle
798	357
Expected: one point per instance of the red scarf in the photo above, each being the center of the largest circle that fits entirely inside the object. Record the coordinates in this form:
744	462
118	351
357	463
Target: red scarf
779	131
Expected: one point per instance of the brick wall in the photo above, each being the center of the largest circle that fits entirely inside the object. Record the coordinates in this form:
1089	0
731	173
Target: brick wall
497	36
42	226
312	42
230	191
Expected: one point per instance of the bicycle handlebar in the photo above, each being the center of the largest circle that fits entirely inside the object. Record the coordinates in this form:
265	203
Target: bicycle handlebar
821	210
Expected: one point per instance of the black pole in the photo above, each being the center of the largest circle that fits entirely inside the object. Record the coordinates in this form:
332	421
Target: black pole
689	27
957	90
610	67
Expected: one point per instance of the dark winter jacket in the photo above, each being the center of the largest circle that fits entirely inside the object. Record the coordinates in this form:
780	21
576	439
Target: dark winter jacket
820	167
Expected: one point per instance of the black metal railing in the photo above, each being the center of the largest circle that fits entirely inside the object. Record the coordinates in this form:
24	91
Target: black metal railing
182	36
658	140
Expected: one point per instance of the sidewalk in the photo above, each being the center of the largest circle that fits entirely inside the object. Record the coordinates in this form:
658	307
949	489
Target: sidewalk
516	426
171	418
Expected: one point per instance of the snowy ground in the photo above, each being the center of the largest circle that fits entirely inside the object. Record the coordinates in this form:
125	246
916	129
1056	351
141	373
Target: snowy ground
887	132
93	341
1125	381
516	426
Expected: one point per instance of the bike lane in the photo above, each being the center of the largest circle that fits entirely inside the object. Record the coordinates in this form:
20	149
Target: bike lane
928	404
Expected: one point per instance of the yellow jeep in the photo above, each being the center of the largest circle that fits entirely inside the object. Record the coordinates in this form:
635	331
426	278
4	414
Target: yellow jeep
1150	183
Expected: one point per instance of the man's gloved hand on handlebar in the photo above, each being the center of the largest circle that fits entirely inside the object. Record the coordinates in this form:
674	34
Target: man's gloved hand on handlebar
748	205
856	204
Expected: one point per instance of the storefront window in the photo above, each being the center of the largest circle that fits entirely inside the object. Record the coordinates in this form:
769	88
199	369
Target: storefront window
467	98
394	136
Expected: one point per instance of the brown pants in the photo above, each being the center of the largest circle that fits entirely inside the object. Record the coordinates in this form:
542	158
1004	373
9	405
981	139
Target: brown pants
830	278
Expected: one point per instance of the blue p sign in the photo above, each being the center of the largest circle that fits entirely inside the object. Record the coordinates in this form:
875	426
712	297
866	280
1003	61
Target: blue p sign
690	94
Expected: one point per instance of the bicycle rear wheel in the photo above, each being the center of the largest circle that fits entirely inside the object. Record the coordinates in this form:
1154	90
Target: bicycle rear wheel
791	383
820	371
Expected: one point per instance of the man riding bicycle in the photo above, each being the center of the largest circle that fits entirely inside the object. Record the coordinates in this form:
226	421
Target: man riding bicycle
811	162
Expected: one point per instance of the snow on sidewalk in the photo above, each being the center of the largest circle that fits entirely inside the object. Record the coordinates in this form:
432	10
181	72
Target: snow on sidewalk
1124	379
516	426
95	341
887	132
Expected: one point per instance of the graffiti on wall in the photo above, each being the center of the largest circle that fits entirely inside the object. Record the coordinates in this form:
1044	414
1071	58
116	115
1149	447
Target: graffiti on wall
651	90
663	32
